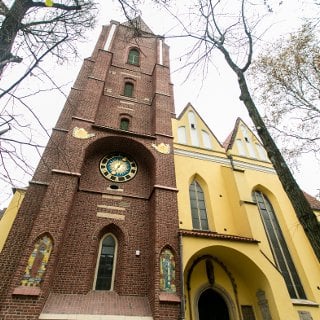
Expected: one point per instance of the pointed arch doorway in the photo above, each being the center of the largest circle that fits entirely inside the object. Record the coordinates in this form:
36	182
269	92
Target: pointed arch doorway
212	306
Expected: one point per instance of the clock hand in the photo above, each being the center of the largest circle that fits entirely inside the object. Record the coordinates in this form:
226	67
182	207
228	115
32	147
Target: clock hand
120	168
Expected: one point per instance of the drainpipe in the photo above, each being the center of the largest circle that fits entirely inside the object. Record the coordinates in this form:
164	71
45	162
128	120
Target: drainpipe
182	315
231	160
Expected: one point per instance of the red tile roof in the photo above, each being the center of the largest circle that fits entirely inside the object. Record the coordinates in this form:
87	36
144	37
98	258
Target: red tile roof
227	144
314	203
215	235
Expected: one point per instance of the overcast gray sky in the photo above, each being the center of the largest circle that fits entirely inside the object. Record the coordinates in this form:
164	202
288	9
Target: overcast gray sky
215	97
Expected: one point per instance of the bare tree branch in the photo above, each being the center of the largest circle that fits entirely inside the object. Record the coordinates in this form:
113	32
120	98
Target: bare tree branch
231	35
31	68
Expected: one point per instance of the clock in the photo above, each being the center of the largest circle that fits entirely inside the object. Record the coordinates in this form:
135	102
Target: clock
118	167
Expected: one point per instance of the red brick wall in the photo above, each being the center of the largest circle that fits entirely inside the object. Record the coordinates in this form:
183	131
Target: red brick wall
67	207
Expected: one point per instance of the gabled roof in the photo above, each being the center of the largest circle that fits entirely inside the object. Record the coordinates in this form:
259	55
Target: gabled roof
139	24
190	106
229	140
314	203
228	143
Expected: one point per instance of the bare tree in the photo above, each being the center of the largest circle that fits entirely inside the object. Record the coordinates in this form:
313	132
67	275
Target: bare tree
33	28
286	77
227	27
31	32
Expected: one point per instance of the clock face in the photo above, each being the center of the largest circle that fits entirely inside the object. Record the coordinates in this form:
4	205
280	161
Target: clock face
118	167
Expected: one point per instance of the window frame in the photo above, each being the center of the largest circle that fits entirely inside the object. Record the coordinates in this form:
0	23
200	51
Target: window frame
132	61
206	141
182	135
193	129
114	263
126	84
197	190
276	239
122	120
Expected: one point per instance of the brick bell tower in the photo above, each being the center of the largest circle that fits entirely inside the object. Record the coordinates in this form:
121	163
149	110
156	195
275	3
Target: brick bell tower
97	231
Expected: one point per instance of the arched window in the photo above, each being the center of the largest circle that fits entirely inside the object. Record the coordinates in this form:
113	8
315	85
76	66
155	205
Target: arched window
206	139
193	129
279	247
124	124
167	271
248	141
128	89
134	56
241	150
37	262
198	207
106	263
261	152
182	135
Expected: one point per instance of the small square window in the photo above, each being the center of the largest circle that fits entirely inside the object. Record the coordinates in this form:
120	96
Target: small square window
128	89
124	124
133	57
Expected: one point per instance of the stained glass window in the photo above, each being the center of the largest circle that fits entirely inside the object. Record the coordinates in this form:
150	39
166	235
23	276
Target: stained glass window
167	271
37	262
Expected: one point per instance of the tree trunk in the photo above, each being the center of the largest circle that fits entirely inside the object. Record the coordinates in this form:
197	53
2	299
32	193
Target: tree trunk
9	29
300	204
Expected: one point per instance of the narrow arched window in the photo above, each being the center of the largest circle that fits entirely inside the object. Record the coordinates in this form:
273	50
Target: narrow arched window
193	129
248	141
37	263
106	263
124	124
206	139
198	207
278	246
134	56
128	89
261	152
182	135
167	271
241	150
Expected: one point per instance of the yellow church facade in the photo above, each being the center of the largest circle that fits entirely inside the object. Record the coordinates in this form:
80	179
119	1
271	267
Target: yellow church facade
244	253
10	214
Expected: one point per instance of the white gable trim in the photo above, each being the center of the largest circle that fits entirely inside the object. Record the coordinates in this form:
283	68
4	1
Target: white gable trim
237	164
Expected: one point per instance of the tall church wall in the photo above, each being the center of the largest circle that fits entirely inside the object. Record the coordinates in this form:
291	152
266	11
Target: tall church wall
73	207
226	248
